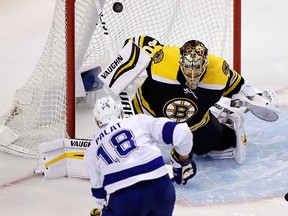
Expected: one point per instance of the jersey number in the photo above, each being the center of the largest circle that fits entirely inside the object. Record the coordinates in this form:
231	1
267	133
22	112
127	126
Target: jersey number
123	143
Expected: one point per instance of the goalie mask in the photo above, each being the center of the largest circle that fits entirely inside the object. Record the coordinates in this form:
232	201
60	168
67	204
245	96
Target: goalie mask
105	109
193	61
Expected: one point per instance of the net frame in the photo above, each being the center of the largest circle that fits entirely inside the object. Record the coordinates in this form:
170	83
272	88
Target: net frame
77	60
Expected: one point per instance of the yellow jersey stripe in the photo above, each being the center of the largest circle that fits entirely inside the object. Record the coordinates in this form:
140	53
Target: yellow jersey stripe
145	104
136	105
234	82
203	122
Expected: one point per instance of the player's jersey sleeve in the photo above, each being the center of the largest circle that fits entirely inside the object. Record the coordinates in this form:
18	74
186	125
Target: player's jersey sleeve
219	76
234	83
146	43
164	59
165	64
168	132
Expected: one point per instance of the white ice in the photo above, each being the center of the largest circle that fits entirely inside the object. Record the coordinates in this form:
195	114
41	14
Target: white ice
24	27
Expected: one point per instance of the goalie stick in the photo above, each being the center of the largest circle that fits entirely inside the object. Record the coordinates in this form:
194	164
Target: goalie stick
126	104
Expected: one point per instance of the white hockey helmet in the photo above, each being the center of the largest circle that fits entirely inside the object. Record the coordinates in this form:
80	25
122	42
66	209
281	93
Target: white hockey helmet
105	109
193	61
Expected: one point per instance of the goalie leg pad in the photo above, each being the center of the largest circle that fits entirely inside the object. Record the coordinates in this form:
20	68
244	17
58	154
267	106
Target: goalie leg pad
241	145
63	157
52	164
235	121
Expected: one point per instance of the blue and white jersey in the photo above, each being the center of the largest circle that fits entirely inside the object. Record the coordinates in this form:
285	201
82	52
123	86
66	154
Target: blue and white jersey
124	152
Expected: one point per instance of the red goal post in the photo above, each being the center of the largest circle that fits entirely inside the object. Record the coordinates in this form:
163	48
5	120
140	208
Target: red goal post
86	34
70	28
71	56
237	36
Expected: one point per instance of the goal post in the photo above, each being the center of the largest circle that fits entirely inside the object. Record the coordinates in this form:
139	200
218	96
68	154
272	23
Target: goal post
86	34
237	36
70	61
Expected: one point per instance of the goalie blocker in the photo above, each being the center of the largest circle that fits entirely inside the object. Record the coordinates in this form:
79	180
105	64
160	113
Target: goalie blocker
124	69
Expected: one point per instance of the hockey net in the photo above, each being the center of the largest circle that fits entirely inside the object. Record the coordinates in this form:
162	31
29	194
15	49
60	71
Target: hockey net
39	111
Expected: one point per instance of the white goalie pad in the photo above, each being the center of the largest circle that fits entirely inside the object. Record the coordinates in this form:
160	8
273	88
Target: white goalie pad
63	157
239	153
124	69
234	119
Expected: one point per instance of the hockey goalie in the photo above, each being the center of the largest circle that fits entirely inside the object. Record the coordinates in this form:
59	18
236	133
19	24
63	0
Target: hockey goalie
186	84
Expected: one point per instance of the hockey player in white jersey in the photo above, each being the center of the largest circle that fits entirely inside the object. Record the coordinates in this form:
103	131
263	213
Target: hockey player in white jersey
126	169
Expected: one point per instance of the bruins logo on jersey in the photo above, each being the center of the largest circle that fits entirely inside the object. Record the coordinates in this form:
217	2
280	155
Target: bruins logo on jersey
225	68
180	109
158	56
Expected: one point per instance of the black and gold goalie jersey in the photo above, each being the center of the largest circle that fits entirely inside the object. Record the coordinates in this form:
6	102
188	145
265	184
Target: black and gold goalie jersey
165	94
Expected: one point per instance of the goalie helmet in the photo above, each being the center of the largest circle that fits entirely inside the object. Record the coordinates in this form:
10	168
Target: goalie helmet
105	109
193	61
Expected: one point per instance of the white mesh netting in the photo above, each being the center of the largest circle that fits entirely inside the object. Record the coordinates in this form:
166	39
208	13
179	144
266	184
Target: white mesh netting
39	110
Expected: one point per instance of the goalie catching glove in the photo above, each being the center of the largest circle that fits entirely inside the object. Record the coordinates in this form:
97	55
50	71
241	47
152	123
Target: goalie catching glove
182	170
261	104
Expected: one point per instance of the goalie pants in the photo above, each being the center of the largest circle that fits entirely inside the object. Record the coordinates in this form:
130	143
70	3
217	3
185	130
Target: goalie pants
213	136
146	198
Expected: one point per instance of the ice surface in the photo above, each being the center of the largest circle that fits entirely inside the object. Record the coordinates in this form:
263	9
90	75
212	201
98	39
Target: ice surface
264	174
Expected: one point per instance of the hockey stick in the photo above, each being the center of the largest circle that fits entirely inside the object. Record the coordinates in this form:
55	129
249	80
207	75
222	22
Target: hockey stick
170	171
126	104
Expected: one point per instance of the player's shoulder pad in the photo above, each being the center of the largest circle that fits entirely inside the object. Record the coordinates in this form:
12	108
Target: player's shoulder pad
146	43
165	63
217	73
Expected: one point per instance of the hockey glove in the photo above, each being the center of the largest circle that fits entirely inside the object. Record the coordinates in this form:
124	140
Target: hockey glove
95	212
262	104
182	170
